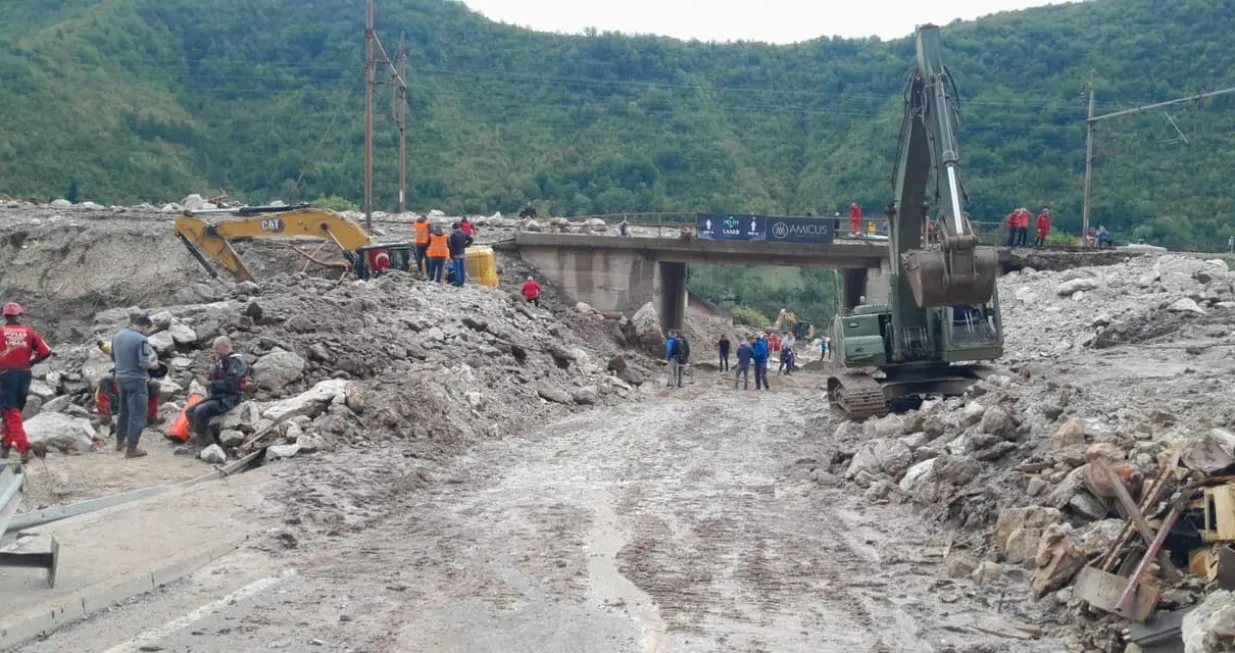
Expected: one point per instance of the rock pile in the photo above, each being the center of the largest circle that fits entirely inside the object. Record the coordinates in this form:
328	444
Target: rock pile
355	363
1050	314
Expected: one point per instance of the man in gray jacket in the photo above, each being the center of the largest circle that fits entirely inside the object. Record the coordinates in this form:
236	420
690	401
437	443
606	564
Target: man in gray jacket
131	353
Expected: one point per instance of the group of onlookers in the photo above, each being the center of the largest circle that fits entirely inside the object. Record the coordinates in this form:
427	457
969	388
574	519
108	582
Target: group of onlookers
443	256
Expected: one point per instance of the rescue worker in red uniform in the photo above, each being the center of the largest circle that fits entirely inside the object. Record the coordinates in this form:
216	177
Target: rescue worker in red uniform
855	219
1044	227
531	291
22	349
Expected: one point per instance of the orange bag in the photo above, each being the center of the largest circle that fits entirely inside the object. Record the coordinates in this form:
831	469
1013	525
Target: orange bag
179	430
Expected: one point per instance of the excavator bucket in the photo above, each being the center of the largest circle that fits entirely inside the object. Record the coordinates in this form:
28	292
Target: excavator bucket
958	274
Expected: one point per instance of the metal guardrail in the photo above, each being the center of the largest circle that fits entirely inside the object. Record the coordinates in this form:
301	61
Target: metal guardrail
12	479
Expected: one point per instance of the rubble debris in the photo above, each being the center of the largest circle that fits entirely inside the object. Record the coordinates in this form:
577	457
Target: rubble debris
213	454
1058	559
1208	628
1019	530
1211	453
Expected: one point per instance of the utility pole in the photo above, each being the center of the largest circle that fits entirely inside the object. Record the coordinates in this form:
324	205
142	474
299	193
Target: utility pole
370	73
1091	119
1088	163
402	116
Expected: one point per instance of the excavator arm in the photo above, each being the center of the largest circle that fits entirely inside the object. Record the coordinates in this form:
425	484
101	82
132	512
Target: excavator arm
210	242
956	271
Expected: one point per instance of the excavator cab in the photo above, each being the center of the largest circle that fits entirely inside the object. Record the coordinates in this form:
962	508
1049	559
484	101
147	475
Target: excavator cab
369	264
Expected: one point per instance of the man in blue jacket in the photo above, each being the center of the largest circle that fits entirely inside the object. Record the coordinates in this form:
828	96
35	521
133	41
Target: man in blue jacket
677	353
759	351
743	372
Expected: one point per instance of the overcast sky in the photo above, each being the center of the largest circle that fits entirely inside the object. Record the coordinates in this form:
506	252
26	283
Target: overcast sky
775	21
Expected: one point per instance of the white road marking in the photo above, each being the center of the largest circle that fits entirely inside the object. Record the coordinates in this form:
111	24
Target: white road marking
252	589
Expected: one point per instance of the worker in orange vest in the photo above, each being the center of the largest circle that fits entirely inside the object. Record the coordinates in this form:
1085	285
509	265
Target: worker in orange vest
422	242
437	252
1013	218
1022	227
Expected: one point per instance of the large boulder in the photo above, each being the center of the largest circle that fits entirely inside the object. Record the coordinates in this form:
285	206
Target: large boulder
309	403
1018	530
880	457
278	369
1067	288
1059	558
1070	434
243	418
162	343
1201	625
553	393
193	202
60	431
97	367
931	480
996	421
645	330
182	334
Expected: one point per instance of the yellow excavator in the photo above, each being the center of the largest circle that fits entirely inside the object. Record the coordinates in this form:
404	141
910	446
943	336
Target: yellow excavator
211	242
787	320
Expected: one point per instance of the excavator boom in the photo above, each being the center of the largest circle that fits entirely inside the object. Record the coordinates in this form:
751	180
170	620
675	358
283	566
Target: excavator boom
957	272
210	242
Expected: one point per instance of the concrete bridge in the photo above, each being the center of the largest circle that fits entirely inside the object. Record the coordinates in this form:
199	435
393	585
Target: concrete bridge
615	273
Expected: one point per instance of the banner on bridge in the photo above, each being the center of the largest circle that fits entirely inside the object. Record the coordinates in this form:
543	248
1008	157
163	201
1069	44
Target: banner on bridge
763	228
799	230
730	227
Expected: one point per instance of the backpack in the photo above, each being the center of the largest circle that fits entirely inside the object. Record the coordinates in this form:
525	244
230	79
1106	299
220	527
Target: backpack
683	350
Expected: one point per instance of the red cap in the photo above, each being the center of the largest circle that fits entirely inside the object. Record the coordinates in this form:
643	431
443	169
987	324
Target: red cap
12	309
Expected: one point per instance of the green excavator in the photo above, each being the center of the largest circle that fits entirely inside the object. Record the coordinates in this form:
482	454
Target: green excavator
941	318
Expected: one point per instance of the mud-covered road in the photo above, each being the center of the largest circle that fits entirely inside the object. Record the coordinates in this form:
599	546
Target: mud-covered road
683	523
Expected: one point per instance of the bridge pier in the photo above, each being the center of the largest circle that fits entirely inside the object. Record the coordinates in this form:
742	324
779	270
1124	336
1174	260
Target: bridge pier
672	305
871	283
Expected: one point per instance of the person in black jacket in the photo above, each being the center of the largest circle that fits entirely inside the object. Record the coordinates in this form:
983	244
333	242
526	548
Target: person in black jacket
723	348
225	387
745	356
458	251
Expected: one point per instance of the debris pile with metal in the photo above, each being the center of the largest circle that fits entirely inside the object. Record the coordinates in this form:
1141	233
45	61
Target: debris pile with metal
1110	403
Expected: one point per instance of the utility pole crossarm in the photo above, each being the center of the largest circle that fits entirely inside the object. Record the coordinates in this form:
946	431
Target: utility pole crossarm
1159	105
394	72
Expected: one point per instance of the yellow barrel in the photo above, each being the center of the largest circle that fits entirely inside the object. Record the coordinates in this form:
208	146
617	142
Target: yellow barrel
481	265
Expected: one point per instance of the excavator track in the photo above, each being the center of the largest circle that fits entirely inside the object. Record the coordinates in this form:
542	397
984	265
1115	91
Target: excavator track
857	396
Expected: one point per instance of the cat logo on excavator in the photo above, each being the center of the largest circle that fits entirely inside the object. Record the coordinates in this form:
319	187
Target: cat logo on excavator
272	226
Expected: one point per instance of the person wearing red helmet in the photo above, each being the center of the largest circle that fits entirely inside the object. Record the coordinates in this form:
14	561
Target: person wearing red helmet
22	349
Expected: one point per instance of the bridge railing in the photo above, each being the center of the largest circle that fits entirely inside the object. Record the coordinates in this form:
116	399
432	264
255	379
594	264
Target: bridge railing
668	223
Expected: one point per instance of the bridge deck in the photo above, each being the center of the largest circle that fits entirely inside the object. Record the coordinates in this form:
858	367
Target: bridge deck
841	254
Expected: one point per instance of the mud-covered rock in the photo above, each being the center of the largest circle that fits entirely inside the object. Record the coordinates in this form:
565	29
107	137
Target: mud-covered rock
60	431
281	451
278	369
1018	530
1058	559
213	454
880	457
1070	434
309	403
1201	626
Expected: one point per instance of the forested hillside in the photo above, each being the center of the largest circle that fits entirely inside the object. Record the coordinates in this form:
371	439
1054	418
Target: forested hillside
130	100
